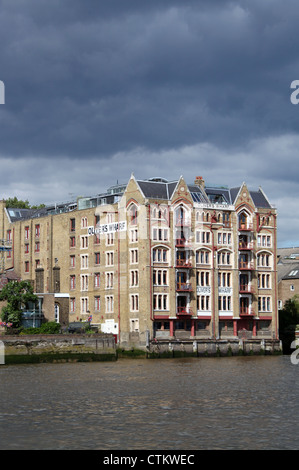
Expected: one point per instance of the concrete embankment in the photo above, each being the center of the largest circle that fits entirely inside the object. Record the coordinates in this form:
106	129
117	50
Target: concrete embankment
58	348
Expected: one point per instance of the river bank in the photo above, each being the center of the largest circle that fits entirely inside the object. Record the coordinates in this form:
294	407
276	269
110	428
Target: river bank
26	349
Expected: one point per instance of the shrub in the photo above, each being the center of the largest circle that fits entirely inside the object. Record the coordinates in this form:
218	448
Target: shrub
50	328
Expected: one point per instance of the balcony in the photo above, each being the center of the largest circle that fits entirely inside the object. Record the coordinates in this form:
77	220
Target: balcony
246	265
183	263
245	227
184	287
182	243
182	222
184	311
245	246
247	311
246	289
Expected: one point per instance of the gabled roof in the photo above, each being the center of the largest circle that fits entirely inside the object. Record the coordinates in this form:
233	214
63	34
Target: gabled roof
258	197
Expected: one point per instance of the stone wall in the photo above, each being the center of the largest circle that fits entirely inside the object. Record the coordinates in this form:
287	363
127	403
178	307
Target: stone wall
210	348
58	348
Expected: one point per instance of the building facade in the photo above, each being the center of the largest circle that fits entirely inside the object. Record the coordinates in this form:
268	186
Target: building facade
153	259
287	274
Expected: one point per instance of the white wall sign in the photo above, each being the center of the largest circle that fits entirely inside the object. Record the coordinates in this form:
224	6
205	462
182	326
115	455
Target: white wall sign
112	227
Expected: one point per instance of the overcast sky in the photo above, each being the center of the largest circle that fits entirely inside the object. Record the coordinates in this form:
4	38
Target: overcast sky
98	89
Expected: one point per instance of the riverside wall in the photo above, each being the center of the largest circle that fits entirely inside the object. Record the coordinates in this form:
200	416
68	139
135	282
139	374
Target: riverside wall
212	348
101	347
58	348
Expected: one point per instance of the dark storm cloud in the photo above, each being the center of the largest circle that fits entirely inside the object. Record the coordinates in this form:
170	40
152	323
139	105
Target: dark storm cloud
93	78
100	89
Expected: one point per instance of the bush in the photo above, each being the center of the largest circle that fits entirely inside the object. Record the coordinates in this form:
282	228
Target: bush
50	328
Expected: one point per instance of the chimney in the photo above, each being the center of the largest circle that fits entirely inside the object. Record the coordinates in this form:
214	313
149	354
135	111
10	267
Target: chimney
199	181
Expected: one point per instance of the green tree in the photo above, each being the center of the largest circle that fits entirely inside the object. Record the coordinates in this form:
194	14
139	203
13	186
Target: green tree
14	202
17	294
288	319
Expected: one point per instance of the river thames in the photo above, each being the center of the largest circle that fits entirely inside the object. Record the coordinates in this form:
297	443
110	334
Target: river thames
235	403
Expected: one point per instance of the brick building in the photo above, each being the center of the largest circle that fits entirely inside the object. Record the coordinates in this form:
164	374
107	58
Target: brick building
153	258
287	274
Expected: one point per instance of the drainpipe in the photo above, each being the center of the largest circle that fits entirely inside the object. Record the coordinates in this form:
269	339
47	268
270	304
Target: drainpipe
150	260
275	274
118	267
213	283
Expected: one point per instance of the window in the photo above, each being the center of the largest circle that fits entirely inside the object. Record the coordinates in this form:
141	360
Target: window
224	238
26	233
84	282
72	242
224	258
226	219
134	303
263	260
26	247
202	257
160	277
26	266
203	278
264	240
97	258
109	280
72	261
84	241
109	258
97	303
134	275
133	214
72	225
224	302
84	305
134	256
36	247
73	282
110	239
72	305
134	235
37	230
84	261
160	255
160	301
9	235
264	304
84	222
224	279
109	303
160	234
264	281
97	280
203	302
203	237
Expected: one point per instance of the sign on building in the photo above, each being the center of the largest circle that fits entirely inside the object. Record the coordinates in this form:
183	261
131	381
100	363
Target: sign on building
112	227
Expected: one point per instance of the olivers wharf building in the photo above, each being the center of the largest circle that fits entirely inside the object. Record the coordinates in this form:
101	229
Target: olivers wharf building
153	262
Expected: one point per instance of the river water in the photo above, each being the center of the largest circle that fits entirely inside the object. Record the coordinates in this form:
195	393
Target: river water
172	404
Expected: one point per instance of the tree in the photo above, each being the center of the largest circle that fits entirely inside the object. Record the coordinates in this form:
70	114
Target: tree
17	294
14	202
288	320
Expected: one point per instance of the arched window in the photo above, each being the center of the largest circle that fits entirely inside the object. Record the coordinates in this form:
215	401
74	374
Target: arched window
203	257
133	214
